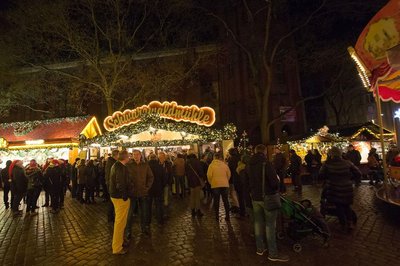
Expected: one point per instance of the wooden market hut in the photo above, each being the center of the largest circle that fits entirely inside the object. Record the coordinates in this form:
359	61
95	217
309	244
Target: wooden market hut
41	139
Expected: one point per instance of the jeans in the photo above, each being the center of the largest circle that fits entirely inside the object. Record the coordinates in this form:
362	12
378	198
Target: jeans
81	188
217	193
241	197
5	195
143	204
344	213
110	212
180	185
16	199
296	179
195	198
265	221
74	188
158	202
121	213
55	192
31	200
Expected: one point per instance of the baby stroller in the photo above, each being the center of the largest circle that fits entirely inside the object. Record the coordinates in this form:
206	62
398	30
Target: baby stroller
300	220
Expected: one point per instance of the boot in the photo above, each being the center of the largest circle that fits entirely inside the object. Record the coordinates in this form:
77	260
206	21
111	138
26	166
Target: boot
199	213
193	212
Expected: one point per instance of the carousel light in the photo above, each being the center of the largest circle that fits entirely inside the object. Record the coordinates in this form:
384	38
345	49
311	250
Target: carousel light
397	114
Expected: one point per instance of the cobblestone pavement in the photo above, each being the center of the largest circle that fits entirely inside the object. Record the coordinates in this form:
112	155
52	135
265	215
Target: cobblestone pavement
80	235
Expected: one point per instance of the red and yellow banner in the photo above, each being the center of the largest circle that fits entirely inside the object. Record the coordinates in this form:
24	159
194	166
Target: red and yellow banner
380	35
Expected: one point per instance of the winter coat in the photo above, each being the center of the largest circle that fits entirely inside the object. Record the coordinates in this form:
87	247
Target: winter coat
167	166
179	167
295	165
244	180
90	174
141	178
54	176
107	170
5	177
338	175
160	178
194	171
81	175
218	174
232	164
279	163
254	171
19	183
35	177
119	185
354	156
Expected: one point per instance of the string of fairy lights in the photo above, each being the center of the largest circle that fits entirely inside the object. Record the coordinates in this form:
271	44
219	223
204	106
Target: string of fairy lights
205	134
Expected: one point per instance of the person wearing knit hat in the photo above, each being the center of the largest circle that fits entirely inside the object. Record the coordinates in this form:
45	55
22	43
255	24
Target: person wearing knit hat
34	175
5	178
19	185
339	175
54	175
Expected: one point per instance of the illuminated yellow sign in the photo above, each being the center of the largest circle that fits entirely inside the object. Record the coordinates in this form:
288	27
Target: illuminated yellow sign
3	143
204	116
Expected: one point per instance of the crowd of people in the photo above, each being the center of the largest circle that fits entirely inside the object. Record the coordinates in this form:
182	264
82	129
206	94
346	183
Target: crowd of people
133	184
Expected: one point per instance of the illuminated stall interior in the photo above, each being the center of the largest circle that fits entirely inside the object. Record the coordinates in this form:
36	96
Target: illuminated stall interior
366	136
42	139
321	140
163	126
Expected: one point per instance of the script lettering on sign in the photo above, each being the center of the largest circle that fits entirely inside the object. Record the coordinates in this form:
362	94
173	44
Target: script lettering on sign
204	116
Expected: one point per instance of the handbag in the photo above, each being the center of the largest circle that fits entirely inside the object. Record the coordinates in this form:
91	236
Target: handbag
273	201
202	183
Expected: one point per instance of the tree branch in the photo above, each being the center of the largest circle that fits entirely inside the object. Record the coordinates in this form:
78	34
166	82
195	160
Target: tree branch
272	57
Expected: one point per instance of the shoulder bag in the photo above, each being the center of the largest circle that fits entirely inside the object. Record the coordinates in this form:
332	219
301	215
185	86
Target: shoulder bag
273	201
202	183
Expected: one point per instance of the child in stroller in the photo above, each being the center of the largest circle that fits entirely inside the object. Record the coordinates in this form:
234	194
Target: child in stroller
302	220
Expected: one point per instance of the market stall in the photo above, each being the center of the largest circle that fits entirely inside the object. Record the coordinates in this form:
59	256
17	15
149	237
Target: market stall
321	140
42	139
166	126
364	137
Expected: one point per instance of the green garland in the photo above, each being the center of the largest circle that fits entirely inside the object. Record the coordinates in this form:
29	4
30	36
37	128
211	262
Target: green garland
205	134
23	128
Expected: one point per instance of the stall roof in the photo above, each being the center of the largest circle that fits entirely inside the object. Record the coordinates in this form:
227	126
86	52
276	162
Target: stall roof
354	131
51	129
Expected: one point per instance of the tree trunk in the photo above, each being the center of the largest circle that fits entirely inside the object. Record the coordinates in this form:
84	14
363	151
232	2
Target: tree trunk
110	109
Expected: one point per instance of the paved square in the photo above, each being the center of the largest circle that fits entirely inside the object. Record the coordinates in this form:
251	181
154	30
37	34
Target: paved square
80	235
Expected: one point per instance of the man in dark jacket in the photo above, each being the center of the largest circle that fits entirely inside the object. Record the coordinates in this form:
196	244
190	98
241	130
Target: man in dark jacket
195	177
263	218
110	162
167	168
119	187
5	178
353	155
19	185
338	188
54	175
157	189
295	170
238	204
142	179
74	175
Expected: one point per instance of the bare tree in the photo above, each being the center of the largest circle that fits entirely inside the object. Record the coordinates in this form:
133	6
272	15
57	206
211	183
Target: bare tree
104	39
